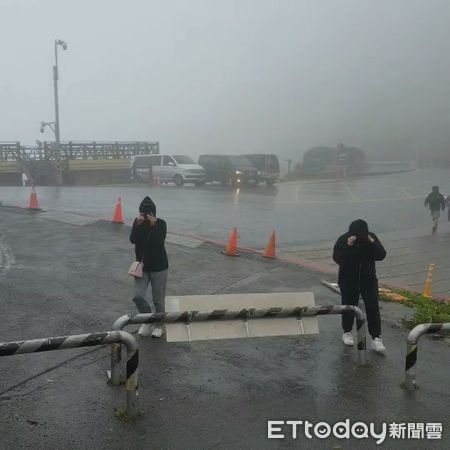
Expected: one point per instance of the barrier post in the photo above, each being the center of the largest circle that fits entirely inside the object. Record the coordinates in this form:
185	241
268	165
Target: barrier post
360	323
117	375
411	349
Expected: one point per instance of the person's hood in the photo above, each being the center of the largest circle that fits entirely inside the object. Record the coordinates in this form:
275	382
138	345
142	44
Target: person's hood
359	228
147	206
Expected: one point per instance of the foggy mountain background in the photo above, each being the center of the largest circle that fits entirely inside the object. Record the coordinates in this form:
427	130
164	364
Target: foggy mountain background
232	75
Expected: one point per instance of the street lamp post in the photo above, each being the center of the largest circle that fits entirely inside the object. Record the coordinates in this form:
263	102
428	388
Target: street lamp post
55	84
54	126
59	178
289	162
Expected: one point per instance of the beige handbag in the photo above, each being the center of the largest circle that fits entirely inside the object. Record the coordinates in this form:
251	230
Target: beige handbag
135	269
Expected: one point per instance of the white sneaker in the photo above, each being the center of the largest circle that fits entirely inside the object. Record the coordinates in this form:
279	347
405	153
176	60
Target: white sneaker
377	345
347	339
145	330
157	332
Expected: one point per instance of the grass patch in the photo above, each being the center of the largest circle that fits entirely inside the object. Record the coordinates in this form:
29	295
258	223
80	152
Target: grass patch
426	310
123	416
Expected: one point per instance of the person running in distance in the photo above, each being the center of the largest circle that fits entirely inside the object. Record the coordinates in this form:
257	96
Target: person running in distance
435	202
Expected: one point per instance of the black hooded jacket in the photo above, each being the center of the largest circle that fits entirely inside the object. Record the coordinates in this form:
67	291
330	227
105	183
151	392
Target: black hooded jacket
357	262
435	200
149	240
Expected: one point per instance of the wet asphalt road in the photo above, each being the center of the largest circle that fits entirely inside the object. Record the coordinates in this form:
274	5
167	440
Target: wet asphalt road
300	212
215	394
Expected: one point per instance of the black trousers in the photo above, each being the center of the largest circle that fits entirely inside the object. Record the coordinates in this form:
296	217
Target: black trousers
368	290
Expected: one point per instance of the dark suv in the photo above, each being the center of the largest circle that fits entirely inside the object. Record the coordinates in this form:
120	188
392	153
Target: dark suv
268	165
229	169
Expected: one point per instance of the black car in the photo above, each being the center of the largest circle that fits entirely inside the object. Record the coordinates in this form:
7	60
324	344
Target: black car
268	165
229	169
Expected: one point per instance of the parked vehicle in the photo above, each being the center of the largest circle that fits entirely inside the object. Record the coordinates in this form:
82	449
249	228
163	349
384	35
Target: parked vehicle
178	169
268	165
229	169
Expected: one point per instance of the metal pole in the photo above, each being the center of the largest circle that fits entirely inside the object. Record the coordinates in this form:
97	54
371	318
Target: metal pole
55	85
132	372
117	375
59	178
289	161
411	349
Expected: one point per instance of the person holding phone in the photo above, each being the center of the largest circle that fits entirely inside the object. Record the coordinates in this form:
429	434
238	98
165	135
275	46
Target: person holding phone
148	235
356	253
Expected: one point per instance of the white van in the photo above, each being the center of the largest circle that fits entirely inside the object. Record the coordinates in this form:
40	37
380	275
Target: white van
178	169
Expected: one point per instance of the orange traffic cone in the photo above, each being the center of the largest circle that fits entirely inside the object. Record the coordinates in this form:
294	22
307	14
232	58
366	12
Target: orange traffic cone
427	287
231	247
269	252
117	217
33	203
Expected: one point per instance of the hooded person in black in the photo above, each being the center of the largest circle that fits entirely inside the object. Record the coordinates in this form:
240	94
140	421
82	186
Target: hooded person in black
356	252
436	202
148	235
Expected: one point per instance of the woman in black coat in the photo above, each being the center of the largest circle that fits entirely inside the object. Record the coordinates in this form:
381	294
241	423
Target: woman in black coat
148	235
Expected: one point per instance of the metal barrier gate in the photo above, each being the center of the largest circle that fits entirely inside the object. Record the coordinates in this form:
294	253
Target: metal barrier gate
411	349
87	340
188	317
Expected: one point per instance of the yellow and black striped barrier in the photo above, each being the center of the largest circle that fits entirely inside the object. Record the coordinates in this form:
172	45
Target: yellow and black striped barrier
87	340
411	349
245	314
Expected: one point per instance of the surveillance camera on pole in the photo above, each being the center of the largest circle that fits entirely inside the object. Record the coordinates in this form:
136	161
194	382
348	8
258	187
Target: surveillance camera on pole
51	125
63	44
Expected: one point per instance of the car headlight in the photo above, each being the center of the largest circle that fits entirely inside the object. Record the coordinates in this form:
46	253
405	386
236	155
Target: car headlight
238	172
259	173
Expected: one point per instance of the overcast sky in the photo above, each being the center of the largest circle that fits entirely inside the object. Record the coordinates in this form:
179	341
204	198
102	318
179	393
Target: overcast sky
231	75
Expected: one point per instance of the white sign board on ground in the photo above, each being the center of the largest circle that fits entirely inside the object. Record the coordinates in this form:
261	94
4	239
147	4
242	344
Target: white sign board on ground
228	329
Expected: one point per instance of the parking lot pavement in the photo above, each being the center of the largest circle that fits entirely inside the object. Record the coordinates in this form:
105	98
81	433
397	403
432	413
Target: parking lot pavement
302	213
214	394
